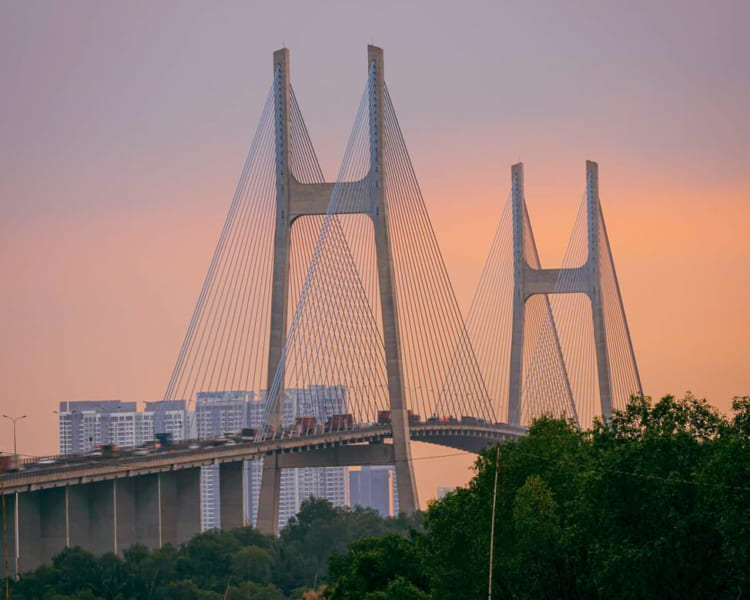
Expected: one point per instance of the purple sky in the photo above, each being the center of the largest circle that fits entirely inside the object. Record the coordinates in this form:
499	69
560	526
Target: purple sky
124	127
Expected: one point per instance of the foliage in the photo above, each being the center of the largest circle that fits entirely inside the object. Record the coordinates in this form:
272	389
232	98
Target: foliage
653	503
214	565
375	568
318	531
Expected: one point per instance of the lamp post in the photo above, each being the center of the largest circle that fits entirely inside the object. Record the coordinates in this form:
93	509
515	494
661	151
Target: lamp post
14	420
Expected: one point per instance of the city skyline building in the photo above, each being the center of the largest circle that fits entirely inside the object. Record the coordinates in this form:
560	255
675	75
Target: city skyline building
88	423
297	485
221	412
372	487
84	424
171	416
443	491
218	413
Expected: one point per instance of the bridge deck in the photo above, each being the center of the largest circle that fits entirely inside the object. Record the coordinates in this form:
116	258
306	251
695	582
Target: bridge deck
84	469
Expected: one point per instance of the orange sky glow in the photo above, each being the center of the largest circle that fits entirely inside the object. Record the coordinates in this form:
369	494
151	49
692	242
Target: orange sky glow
125	129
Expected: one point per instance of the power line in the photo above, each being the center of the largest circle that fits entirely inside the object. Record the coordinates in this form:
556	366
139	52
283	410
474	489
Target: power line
599	469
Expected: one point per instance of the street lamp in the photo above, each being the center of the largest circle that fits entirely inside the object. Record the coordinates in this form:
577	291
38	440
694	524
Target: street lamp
14	419
15	454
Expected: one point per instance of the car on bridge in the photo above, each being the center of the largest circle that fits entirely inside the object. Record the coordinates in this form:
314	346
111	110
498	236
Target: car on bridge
248	433
384	417
342	421
304	425
9	463
105	451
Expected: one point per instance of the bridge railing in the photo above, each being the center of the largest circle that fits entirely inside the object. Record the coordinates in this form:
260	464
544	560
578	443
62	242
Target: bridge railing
83	465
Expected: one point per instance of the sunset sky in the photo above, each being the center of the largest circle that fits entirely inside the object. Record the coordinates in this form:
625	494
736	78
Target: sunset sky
123	128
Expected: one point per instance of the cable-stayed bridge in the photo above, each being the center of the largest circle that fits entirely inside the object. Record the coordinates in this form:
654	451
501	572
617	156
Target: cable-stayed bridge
342	285
552	341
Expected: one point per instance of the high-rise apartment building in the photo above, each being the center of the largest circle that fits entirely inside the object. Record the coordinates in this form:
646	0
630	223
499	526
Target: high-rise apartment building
373	487
170	416
87	423
297	485
218	414
444	491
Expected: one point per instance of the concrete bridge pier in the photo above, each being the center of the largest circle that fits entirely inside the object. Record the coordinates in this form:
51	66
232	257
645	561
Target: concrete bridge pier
231	498
79	516
8	532
34	531
106	516
54	525
147	506
125	513
270	495
42	526
30	546
101	505
180	499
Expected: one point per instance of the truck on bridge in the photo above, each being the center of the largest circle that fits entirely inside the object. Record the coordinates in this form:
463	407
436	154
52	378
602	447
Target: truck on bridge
8	463
384	417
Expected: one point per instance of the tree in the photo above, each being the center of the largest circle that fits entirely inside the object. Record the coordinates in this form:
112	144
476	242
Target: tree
374	568
652	503
251	564
318	531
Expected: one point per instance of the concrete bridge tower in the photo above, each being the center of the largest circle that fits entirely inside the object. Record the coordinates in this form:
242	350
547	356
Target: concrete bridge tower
295	199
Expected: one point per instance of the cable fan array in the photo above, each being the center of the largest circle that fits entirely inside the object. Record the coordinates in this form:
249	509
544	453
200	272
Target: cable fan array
334	350
546	388
336	336
441	372
574	318
334	339
226	344
559	370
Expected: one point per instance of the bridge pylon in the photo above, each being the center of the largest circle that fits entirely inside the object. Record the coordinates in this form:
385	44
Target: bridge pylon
595	278
327	305
295	199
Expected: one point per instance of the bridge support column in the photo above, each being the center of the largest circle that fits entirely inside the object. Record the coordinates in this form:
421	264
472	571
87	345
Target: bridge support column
9	546
29	531
230	495
595	293
586	279
270	487
54	523
519	295
41	529
148	529
79	515
407	489
125	515
180	505
270	494
102	531
282	236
